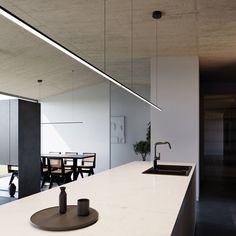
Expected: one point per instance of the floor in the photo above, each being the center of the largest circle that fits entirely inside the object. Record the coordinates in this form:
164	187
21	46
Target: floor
4	194
216	210
6	199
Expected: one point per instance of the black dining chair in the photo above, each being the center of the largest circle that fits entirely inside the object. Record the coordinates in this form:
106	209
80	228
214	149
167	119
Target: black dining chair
69	162
44	172
57	172
45	160
13	169
88	164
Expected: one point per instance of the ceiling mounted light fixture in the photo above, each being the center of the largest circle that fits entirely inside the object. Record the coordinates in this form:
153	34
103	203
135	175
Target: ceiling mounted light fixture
156	15
39	81
15	19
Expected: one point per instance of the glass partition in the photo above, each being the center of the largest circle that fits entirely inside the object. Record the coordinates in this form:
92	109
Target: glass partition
75	105
130	119
80	109
104	33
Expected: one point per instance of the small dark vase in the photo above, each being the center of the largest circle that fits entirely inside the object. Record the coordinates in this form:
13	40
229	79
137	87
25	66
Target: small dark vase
12	189
62	201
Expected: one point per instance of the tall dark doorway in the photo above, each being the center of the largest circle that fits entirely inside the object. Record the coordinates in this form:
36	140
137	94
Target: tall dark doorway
217	205
219	136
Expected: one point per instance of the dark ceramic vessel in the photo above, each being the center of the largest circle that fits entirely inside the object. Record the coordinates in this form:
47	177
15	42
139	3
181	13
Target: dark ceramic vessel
62	201
83	207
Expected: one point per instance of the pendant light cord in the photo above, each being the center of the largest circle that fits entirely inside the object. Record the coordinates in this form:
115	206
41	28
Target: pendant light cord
132	44
40	81
105	68
72	94
157	51
156	15
39	92
196	26
105	42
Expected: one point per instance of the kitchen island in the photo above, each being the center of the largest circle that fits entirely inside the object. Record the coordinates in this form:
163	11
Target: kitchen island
129	203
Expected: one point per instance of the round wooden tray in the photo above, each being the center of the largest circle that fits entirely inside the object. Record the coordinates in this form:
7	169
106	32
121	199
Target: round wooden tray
51	219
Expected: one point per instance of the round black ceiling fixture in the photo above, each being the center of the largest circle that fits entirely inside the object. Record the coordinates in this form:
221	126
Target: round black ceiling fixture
157	15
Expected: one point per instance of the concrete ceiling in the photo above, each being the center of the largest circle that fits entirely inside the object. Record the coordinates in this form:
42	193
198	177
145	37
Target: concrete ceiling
189	27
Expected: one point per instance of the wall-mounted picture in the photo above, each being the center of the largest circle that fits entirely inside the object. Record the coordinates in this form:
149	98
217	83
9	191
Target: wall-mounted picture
118	129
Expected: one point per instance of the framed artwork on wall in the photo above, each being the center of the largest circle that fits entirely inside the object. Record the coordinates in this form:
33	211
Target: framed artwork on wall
118	129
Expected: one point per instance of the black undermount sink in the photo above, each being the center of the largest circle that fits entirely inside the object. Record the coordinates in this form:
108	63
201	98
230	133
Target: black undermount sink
169	170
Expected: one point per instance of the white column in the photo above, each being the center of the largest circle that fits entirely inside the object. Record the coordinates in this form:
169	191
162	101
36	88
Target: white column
178	96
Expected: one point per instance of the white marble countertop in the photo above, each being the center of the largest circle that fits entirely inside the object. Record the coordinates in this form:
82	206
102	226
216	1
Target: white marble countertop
129	203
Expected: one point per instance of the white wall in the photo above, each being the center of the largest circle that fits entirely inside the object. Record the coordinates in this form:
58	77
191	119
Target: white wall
178	95
214	134
137	116
89	105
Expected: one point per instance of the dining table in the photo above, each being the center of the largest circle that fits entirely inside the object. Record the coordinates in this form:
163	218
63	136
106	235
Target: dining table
73	157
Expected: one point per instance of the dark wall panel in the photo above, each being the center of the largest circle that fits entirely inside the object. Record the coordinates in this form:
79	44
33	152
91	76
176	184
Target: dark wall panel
29	148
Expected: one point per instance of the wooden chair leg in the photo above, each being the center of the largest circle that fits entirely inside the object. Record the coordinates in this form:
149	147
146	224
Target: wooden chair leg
43	181
51	183
81	174
65	180
69	179
91	172
76	176
12	178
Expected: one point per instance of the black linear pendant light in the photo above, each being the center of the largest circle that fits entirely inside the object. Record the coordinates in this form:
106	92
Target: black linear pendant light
10	16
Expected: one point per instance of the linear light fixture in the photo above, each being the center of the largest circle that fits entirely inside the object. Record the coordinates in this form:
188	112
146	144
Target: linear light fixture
10	16
62	123
18	96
